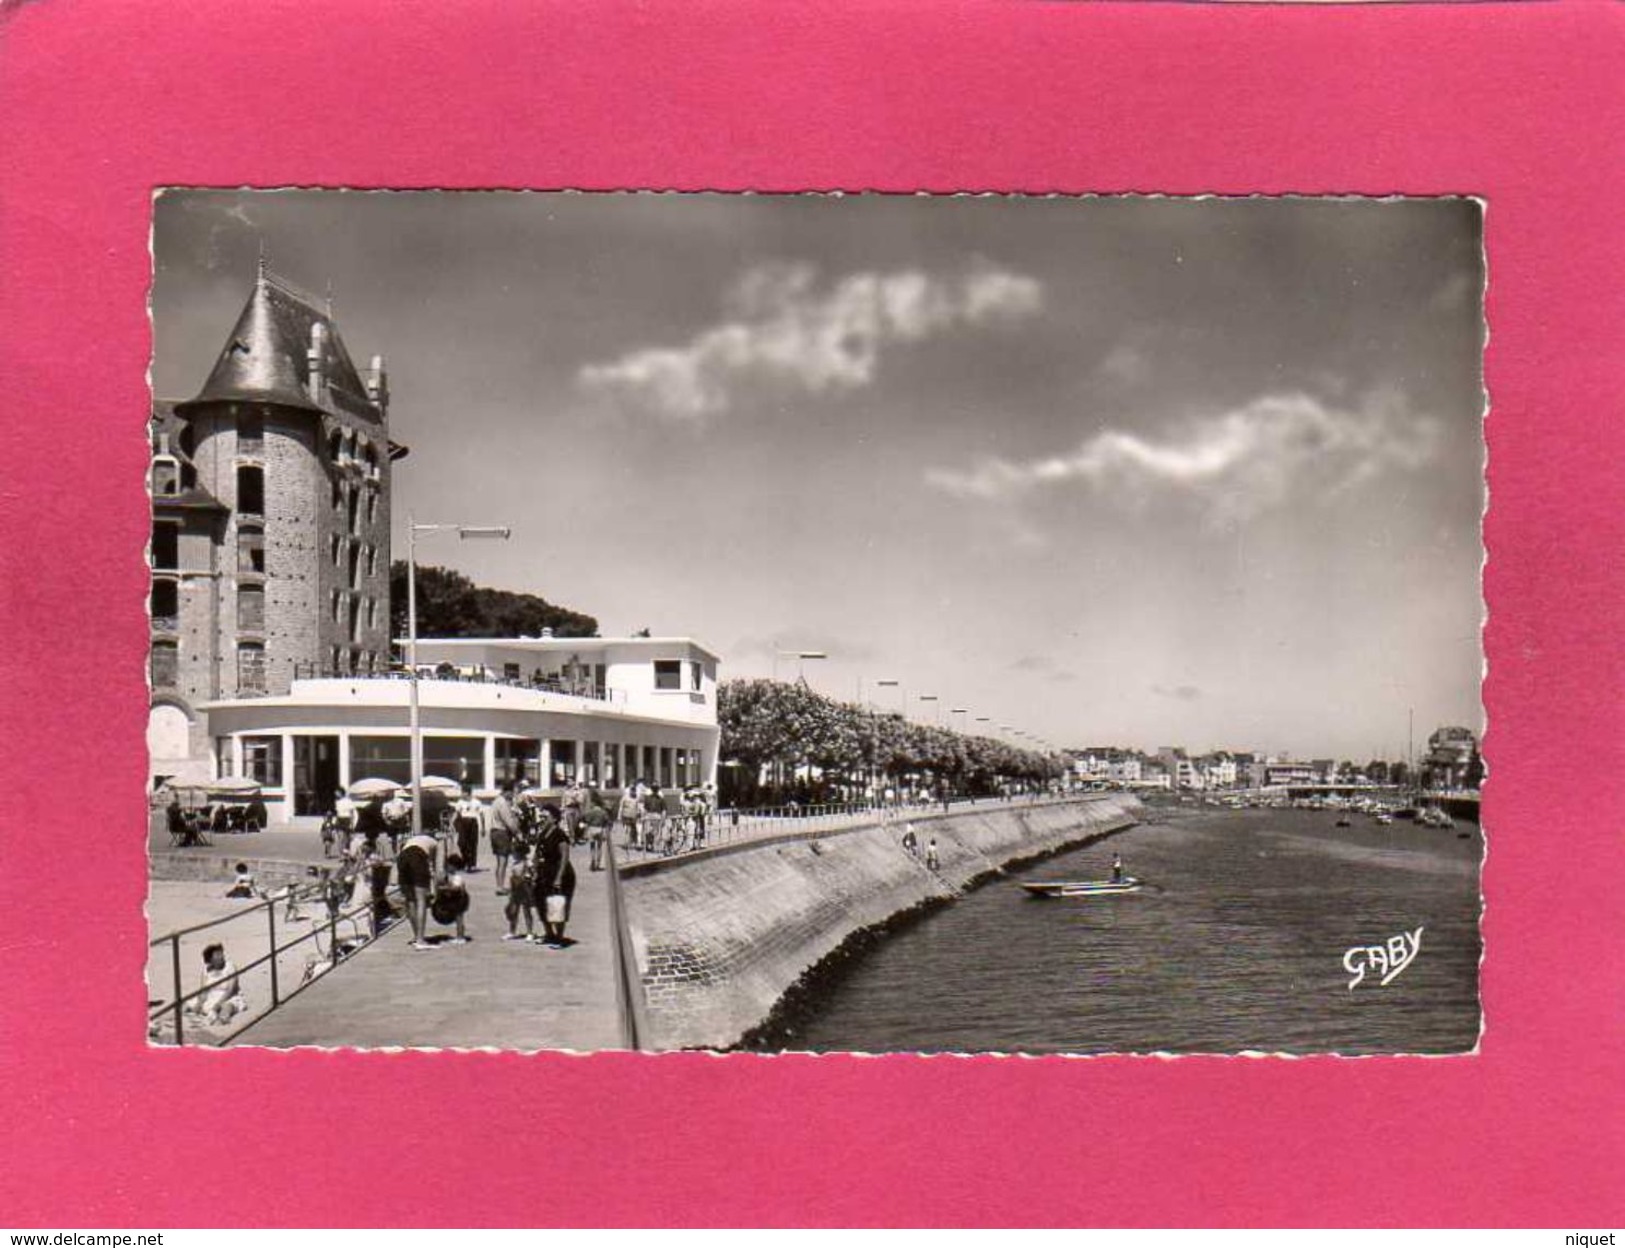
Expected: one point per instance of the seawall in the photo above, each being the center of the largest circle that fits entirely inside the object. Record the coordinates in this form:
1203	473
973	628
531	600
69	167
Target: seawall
717	940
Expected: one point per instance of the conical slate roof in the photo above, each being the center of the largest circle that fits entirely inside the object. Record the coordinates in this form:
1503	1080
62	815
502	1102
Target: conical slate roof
265	359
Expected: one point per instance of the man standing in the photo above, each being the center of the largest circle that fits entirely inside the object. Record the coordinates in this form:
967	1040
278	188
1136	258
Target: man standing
504	828
570	818
468	818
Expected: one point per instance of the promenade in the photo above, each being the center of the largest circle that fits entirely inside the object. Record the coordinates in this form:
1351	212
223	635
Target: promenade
489	993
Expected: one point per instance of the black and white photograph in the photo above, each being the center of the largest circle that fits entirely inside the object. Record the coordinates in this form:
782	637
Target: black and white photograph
980	624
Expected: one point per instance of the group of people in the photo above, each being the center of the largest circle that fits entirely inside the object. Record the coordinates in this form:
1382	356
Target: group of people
653	822
911	846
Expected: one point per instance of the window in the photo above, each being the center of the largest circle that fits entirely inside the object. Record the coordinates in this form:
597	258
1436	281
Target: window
335	445
518	758
695	673
166	475
251	608
355	567
166	664
668	674
337	606
338	493
250	490
250	667
250	550
355	510
510	672
563	754
166	605
355	619
250	432
166	545
372	507
262	760
336	548
372	613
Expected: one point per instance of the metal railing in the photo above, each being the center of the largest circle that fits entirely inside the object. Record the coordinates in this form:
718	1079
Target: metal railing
678	833
356	935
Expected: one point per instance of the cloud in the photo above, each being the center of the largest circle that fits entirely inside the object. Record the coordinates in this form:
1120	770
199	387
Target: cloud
1239	462
1125	365
1182	693
783	326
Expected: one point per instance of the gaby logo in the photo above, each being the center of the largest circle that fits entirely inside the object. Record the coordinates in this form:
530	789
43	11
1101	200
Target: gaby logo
1387	959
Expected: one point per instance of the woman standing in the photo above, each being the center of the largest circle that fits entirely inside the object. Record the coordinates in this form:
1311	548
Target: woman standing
555	879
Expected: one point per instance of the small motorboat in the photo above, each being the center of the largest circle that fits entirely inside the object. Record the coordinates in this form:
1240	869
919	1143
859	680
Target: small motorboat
1082	888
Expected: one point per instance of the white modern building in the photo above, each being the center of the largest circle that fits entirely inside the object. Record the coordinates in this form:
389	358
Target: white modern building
547	710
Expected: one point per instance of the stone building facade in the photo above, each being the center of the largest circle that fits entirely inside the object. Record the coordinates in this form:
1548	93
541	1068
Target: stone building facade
271	505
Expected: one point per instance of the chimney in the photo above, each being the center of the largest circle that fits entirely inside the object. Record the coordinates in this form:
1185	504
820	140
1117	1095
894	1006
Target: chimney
377	382
315	358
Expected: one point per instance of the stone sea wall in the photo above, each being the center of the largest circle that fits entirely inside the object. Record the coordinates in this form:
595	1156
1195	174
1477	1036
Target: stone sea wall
718	939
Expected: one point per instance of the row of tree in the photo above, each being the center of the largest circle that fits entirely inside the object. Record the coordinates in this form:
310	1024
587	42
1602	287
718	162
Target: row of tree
451	605
814	747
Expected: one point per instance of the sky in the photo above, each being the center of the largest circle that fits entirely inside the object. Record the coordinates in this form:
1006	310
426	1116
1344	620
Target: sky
1110	471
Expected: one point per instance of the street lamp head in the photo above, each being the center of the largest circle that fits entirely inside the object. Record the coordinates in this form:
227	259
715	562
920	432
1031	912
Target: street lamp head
811	654
466	531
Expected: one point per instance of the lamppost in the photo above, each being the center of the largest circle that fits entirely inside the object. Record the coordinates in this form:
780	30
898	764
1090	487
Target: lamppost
902	694
931	697
800	656
959	710
464	532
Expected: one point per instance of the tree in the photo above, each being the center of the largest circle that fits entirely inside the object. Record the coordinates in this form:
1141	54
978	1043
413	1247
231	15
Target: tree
451	605
1377	771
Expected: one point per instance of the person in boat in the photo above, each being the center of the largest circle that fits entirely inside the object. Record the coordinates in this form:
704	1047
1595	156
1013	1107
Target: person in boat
1117	868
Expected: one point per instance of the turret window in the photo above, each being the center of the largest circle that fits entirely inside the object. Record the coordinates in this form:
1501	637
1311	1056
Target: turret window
166	545
250	667
251	608
250	432
165	605
250	550
166	476
166	664
250	490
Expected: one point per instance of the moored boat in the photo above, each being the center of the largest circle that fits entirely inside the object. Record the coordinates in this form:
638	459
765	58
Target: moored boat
1081	888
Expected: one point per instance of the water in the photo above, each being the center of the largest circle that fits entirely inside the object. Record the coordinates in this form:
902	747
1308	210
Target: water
1237	945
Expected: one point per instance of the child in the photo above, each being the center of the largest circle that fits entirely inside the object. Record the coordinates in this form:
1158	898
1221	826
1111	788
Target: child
450	902
521	897
378	887
242	885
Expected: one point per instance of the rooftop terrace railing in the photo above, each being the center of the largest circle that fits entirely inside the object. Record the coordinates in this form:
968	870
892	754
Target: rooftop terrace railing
576	689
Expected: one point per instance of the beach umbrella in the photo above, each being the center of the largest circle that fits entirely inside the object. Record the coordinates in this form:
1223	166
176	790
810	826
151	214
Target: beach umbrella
440	784
373	788
233	786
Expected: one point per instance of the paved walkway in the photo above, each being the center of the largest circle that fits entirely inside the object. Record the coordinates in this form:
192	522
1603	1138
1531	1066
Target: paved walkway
489	993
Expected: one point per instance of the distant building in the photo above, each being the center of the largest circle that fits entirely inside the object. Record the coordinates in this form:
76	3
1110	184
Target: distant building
270	536
1451	755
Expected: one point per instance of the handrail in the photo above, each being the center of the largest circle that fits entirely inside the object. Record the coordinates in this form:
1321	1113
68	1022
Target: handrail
628	980
355	915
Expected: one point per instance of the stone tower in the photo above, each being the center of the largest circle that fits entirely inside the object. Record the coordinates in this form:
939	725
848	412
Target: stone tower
271	515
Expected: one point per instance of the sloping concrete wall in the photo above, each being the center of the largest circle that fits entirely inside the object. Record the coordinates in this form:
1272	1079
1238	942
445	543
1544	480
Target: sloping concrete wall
717	940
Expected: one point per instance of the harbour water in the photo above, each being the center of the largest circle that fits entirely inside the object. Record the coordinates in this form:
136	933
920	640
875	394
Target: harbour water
1236	944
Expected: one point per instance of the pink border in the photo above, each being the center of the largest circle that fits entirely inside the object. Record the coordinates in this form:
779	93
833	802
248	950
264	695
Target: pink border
103	101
